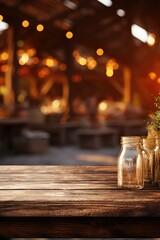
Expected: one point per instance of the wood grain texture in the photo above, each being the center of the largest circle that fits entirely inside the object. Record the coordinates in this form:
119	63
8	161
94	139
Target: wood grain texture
68	193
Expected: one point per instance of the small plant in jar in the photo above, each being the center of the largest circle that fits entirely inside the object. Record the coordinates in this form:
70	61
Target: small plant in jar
153	129
153	126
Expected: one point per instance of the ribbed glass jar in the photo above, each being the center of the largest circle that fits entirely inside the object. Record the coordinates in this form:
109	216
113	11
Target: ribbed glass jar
157	162
130	163
148	145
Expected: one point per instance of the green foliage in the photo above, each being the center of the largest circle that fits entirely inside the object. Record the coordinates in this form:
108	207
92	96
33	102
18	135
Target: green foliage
153	126
156	119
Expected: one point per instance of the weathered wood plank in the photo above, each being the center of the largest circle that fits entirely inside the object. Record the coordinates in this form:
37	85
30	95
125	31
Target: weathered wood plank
58	169
74	201
64	203
105	195
43	185
36	177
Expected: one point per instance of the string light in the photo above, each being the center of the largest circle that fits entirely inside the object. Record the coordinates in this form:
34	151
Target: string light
24	59
3	26
158	80
120	12
107	3
82	61
31	52
40	27
151	39
109	71
35	60
4	56
102	107
99	51
25	23
91	63
152	75
62	67
111	66
69	35
1	18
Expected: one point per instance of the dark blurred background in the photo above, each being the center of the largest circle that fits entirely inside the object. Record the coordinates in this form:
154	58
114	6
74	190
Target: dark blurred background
78	64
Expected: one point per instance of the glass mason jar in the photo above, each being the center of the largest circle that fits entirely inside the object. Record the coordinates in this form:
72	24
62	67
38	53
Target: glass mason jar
157	162
148	145
130	163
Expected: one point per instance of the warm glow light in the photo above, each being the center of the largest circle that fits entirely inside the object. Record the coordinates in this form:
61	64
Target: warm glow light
50	62
40	27
20	43
82	61
31	52
151	39
21	98
4	68
120	12
76	78
4	56
109	71
139	32
115	66
102	107
56	103
42	73
35	60
91	63
112	64
20	52
158	80
107	3
24	59
56	106
3	90
70	4
1	18
99	51
75	53
25	23
3	26
152	75
69	34
62	67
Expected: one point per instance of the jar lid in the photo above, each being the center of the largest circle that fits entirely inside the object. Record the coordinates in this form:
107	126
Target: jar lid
131	139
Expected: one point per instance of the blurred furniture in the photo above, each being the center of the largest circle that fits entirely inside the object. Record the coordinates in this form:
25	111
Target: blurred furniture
128	127
94	138
9	128
74	201
60	133
32	142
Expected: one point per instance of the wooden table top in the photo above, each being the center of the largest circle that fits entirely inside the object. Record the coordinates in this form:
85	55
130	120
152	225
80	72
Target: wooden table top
72	191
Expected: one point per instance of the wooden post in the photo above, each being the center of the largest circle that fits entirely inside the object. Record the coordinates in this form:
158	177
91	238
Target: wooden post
9	96
68	85
16	65
127	85
65	92
10	99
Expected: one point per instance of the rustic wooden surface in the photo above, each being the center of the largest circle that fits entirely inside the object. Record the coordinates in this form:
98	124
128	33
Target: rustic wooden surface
34	196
